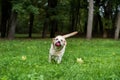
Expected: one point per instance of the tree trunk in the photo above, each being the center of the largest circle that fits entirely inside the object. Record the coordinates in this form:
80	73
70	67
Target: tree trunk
6	11
46	23
97	25
90	20
100	24
74	15
117	31
107	18
52	4
12	25
31	24
45	26
53	24
0	17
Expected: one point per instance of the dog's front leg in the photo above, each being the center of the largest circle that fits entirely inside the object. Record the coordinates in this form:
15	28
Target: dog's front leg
59	59
49	60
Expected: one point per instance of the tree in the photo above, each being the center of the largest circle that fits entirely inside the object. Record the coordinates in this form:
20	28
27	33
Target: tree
45	26
12	25
97	20
90	20
31	24
74	15
117	31
33	5
28	7
50	19
52	4
0	16
6	12
46	22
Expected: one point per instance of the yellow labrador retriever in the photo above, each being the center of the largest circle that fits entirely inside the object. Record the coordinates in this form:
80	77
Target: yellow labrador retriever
58	47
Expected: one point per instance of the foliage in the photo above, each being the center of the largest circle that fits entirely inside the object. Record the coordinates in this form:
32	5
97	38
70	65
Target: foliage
25	6
63	14
22	25
83	17
28	60
115	3
107	23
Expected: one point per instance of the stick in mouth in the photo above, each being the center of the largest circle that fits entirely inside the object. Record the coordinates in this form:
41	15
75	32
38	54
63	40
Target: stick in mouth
70	34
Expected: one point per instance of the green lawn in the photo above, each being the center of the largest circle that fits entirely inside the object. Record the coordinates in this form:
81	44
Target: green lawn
28	60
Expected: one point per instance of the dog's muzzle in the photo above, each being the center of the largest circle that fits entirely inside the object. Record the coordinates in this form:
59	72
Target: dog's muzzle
58	44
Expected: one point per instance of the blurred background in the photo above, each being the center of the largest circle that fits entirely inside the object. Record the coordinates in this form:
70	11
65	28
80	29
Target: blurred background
47	18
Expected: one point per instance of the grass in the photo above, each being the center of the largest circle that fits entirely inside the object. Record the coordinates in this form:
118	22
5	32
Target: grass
28	60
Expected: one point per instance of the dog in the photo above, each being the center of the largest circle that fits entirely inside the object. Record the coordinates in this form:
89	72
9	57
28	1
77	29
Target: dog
58	46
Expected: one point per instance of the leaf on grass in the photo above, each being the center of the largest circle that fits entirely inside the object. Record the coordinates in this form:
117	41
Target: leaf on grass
79	60
24	58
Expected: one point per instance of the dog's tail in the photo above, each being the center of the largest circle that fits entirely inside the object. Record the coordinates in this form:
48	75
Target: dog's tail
70	34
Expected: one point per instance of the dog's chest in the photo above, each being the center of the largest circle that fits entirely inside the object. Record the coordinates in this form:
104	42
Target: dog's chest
57	53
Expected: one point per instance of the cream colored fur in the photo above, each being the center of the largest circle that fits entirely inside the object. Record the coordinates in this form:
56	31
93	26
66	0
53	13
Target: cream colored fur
58	46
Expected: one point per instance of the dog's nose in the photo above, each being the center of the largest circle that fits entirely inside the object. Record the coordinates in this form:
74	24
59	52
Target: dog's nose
58	44
58	41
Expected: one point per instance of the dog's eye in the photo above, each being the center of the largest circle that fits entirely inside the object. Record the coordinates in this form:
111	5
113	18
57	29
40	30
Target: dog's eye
61	40
56	39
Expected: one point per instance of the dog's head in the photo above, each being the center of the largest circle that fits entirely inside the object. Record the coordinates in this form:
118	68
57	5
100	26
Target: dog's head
59	41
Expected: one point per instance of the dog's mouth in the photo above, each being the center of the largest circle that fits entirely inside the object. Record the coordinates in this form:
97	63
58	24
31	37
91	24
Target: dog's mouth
57	44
